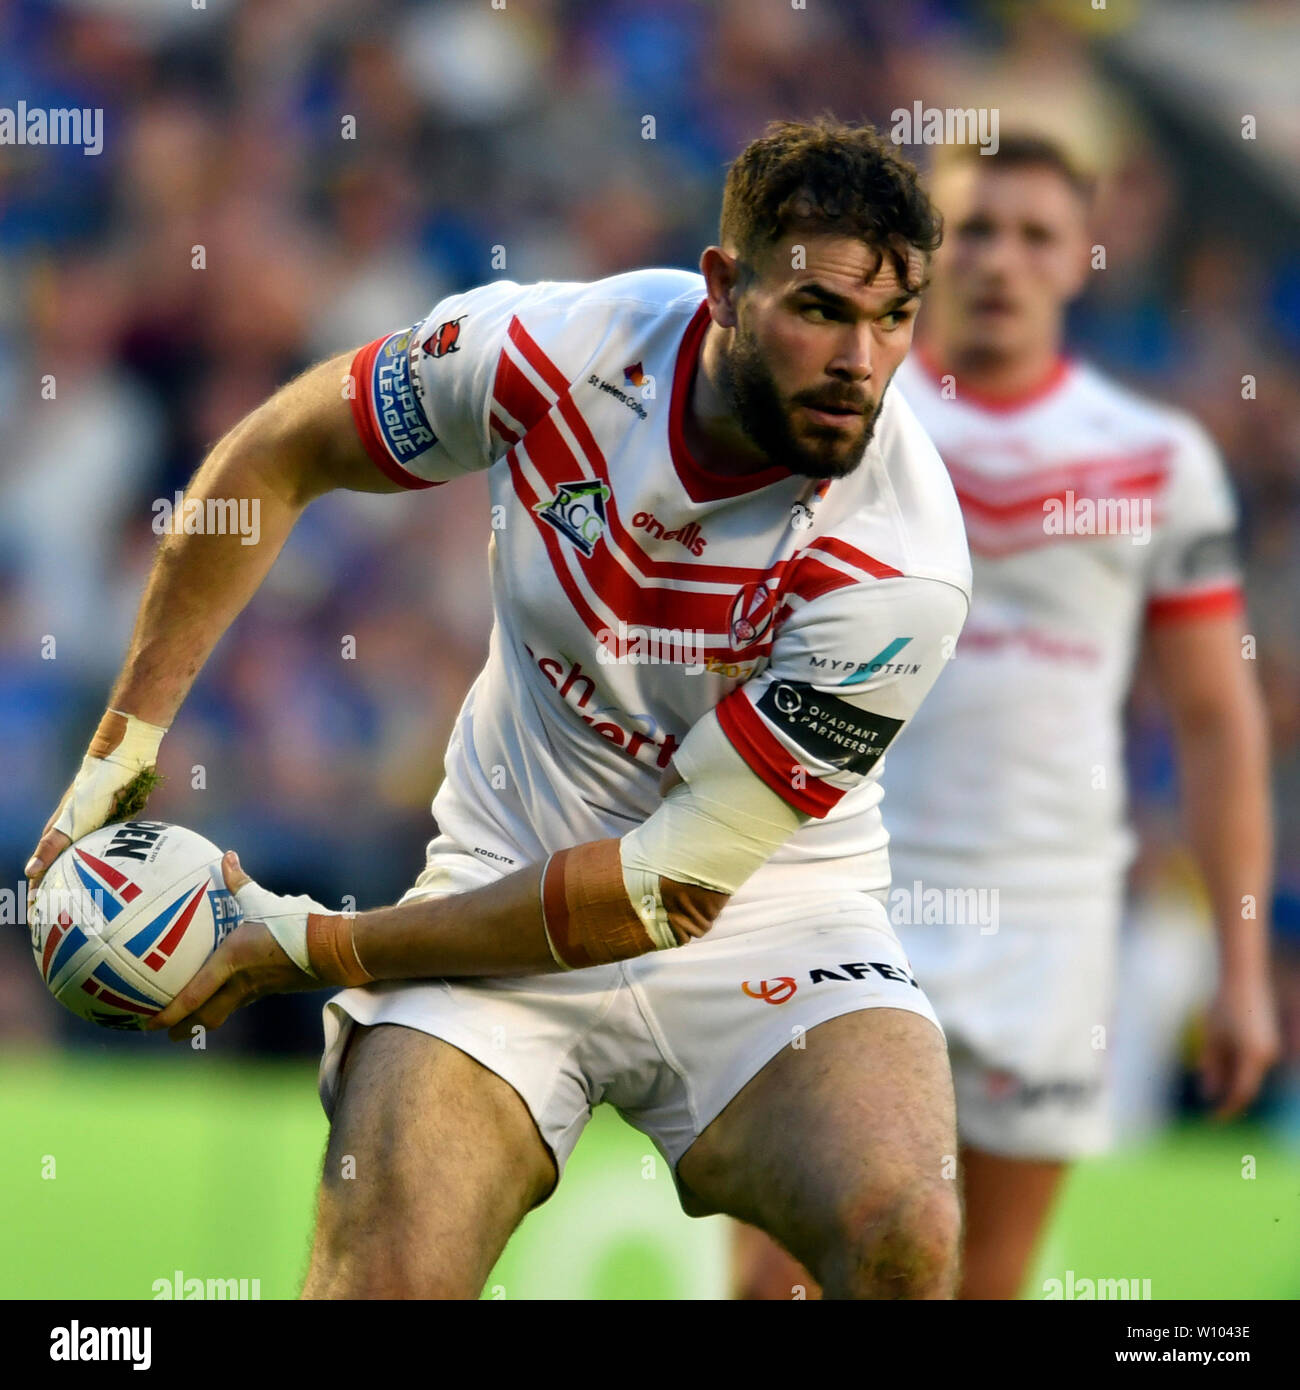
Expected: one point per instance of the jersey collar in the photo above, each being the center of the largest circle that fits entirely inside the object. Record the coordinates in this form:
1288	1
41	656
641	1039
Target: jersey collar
1054	378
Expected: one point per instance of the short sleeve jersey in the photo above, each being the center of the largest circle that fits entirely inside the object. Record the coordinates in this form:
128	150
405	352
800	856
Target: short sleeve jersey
1091	513
634	591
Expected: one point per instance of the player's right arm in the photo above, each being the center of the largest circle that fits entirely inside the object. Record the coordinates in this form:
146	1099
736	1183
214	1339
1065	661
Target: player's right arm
389	417
298	445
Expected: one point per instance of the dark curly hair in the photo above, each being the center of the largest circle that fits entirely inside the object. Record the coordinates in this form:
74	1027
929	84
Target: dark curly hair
826	176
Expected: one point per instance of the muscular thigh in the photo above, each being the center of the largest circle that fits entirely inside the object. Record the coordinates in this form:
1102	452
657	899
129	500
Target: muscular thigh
432	1162
862	1112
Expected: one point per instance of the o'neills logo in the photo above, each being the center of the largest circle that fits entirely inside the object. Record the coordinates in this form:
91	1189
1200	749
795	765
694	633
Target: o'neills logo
689	535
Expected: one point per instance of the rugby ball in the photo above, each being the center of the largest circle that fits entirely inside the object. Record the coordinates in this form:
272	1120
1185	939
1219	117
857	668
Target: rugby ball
126	916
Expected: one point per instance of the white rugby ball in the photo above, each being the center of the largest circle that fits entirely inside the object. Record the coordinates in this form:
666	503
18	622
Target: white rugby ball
126	916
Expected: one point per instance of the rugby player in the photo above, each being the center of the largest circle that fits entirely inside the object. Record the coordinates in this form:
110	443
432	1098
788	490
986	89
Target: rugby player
655	885
1097	520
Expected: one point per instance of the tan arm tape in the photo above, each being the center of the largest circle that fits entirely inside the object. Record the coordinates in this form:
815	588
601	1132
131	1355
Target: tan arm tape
332	949
585	908
590	919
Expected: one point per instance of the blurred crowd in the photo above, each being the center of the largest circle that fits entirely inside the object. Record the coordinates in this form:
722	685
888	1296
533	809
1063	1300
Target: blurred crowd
287	179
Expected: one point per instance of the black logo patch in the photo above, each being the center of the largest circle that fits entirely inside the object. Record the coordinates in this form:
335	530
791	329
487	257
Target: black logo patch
828	728
1214	554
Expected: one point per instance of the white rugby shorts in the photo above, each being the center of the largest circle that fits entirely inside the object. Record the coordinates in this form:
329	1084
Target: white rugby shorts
1027	1010
667	1038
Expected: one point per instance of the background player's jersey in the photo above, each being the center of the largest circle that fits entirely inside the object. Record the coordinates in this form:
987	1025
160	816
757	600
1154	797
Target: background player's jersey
1027	727
634	591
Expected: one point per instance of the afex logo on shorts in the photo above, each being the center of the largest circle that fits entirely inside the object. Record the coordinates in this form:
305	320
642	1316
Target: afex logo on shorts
1006	1088
771	991
782	987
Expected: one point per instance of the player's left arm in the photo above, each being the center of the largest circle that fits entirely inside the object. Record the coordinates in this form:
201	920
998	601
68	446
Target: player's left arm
1196	639
779	751
1220	732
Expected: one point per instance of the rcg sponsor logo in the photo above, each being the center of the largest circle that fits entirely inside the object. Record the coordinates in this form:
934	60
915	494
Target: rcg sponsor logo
577	512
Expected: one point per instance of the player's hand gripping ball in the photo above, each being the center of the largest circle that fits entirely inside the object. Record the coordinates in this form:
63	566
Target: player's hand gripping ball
125	918
145	925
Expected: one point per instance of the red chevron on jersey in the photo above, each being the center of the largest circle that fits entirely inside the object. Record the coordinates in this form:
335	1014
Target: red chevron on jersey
1005	514
605	594
1090	476
557	455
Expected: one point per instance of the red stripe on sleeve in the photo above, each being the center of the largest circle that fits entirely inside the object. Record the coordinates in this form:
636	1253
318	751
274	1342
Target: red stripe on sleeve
1209	603
770	760
851	555
503	429
363	416
536	358
808	578
516	394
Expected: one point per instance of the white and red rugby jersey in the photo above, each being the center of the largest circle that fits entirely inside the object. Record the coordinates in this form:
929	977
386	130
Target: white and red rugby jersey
633	591
1090	512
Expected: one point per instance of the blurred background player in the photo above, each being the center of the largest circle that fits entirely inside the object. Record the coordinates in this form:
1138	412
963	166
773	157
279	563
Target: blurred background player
1098	519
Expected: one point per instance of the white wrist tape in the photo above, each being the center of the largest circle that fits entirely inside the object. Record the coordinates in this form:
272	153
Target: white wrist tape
700	833
123	746
285	918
